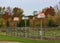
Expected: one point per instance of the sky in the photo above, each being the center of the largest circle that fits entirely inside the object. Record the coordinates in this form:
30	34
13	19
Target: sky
29	5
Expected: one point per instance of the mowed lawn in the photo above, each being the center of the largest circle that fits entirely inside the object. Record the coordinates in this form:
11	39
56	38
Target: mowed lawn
25	40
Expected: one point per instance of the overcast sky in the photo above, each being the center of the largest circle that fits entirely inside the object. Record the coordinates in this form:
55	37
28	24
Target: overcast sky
28	5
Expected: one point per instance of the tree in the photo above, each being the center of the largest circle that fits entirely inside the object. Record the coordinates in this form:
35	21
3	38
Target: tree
57	18
8	10
35	12
31	20
3	10
5	16
2	22
49	11
21	23
0	9
18	12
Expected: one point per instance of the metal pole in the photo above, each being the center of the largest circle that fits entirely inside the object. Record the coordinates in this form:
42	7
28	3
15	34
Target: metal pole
16	28
25	28
41	30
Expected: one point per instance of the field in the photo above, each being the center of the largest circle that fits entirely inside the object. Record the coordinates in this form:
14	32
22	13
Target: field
25	40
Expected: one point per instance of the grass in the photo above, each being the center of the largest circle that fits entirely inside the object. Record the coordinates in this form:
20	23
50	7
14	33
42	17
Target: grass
24	40
54	32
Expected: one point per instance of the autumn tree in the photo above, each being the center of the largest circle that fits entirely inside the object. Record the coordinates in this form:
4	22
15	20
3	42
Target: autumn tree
49	11
5	16
50	16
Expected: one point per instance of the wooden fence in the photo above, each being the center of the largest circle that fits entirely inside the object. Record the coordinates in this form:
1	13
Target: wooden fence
32	32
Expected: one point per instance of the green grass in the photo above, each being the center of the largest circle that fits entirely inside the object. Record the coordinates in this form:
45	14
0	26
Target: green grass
52	33
24	40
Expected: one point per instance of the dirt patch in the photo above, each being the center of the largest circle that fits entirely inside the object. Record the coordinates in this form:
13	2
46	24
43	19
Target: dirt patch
9	42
